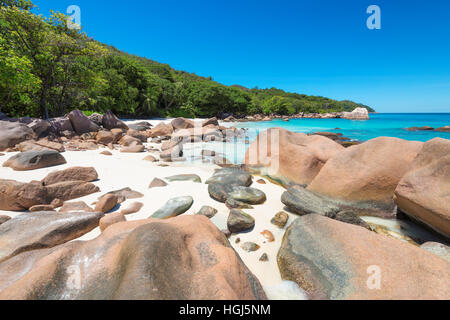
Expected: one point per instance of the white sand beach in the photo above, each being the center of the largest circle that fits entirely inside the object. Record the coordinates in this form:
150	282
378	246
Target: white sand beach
130	170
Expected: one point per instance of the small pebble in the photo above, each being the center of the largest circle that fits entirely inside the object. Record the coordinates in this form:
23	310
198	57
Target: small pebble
264	257
268	235
250	246
280	219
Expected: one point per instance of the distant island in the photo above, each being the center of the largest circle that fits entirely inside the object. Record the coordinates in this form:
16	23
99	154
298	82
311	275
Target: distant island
49	69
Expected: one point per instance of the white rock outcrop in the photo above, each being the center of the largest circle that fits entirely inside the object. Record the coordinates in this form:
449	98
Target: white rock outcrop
357	114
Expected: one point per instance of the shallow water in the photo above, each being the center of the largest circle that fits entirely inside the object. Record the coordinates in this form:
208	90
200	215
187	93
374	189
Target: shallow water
381	124
405	229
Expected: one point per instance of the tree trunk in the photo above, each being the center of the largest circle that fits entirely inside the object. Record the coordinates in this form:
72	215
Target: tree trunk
43	103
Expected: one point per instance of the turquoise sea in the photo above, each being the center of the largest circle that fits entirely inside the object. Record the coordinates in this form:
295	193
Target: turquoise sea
380	124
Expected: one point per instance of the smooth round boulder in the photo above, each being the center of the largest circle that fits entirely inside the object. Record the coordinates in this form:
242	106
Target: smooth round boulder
117	134
239	221
69	190
231	176
110	121
81	124
43	230
235	204
33	160
443	129
110	219
157	183
140	126
250	246
12	133
302	202
182	123
141	136
247	195
150	158
184	178
19	196
125	194
133	148
289	157
172	154
53	145
236	194
86	174
210	122
136	260
127	141
62	126
268	235
365	176
76	206
39	126
132	208
106	203
357	114
333	260
207	211
174	207
424	191
104	137
280	219
219	191
161	130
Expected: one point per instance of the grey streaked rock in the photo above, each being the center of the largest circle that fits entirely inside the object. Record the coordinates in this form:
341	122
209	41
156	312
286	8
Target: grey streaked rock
31	231
174	207
232	176
184	177
207	211
302	201
239	221
33	160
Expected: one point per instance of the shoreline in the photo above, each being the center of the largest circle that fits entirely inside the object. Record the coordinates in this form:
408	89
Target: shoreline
120	170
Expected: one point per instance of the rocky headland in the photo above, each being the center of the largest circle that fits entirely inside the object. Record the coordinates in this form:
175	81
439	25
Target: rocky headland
357	114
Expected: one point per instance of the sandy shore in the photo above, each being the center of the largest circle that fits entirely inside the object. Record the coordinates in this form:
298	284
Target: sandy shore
130	170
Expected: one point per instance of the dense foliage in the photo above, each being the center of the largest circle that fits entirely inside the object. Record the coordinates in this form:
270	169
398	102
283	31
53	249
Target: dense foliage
48	69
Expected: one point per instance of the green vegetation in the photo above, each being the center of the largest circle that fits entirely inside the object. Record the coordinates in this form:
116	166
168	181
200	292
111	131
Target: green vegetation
47	69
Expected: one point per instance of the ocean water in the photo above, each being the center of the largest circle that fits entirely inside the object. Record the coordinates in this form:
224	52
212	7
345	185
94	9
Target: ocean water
379	125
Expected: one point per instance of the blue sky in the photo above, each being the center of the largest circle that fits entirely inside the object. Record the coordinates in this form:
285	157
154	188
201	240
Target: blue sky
318	47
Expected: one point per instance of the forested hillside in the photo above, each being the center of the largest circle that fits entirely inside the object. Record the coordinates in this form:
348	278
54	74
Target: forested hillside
47	69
